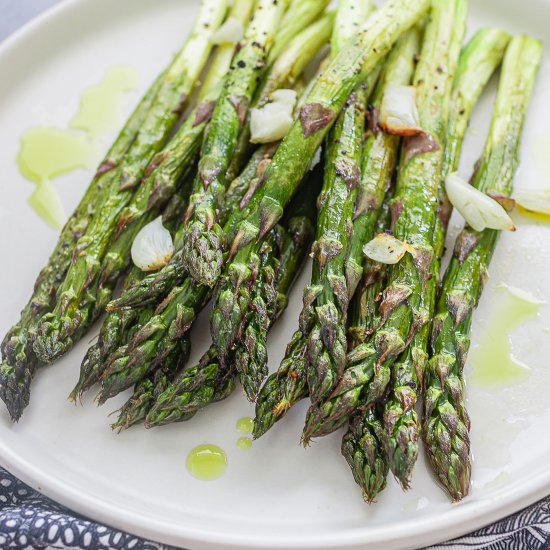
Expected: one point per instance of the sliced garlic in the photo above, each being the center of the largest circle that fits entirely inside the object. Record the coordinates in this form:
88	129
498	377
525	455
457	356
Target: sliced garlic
273	121
398	111
231	32
534	200
479	210
153	246
284	97
386	249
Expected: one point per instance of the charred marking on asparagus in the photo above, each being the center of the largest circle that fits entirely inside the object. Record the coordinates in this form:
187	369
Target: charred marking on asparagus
418	144
241	107
315	117
204	112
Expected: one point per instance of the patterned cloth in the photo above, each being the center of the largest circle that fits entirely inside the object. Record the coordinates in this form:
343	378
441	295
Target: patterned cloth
30	521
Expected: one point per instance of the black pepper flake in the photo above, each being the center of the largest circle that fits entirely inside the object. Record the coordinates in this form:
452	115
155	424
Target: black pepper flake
241	64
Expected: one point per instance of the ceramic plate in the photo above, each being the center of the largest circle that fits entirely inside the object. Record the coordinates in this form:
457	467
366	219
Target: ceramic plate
276	495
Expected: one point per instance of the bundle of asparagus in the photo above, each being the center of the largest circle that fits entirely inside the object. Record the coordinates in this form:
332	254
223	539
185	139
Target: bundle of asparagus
236	200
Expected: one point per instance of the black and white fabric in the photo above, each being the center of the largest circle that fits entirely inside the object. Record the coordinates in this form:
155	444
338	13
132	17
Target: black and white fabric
30	521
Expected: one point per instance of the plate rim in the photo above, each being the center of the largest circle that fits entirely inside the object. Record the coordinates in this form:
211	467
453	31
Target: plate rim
410	534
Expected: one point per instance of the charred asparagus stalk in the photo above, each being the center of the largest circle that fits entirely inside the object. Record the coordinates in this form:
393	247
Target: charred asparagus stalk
327	296
414	213
477	63
446	422
209	381
203	229
58	329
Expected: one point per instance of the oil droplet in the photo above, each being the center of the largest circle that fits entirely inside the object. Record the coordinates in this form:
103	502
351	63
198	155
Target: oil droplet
493	361
244	443
535	216
47	204
206	462
416	504
245	425
100	105
49	152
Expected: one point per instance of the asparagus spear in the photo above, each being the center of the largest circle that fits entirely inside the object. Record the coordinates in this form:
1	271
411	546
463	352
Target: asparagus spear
379	156
363	444
363	450
287	386
414	213
477	63
192	390
250	357
209	381
147	390
284	388
220	141
168	166
157	285
299	15
322	106
446	422
20	361
327	296
271	290
284	73
58	329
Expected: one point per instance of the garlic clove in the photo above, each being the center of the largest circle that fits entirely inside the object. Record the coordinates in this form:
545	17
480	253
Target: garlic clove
231	32
478	209
152	247
398	111
386	249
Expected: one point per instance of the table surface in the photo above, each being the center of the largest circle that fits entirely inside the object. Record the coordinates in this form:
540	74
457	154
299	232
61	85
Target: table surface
29	520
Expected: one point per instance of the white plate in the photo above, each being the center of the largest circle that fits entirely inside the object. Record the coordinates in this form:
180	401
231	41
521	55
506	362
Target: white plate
276	495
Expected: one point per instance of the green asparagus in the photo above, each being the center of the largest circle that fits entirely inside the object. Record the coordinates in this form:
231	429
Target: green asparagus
197	387
446	422
58	329
363	449
269	297
20	361
222	138
327	296
477	63
414	213
379	155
